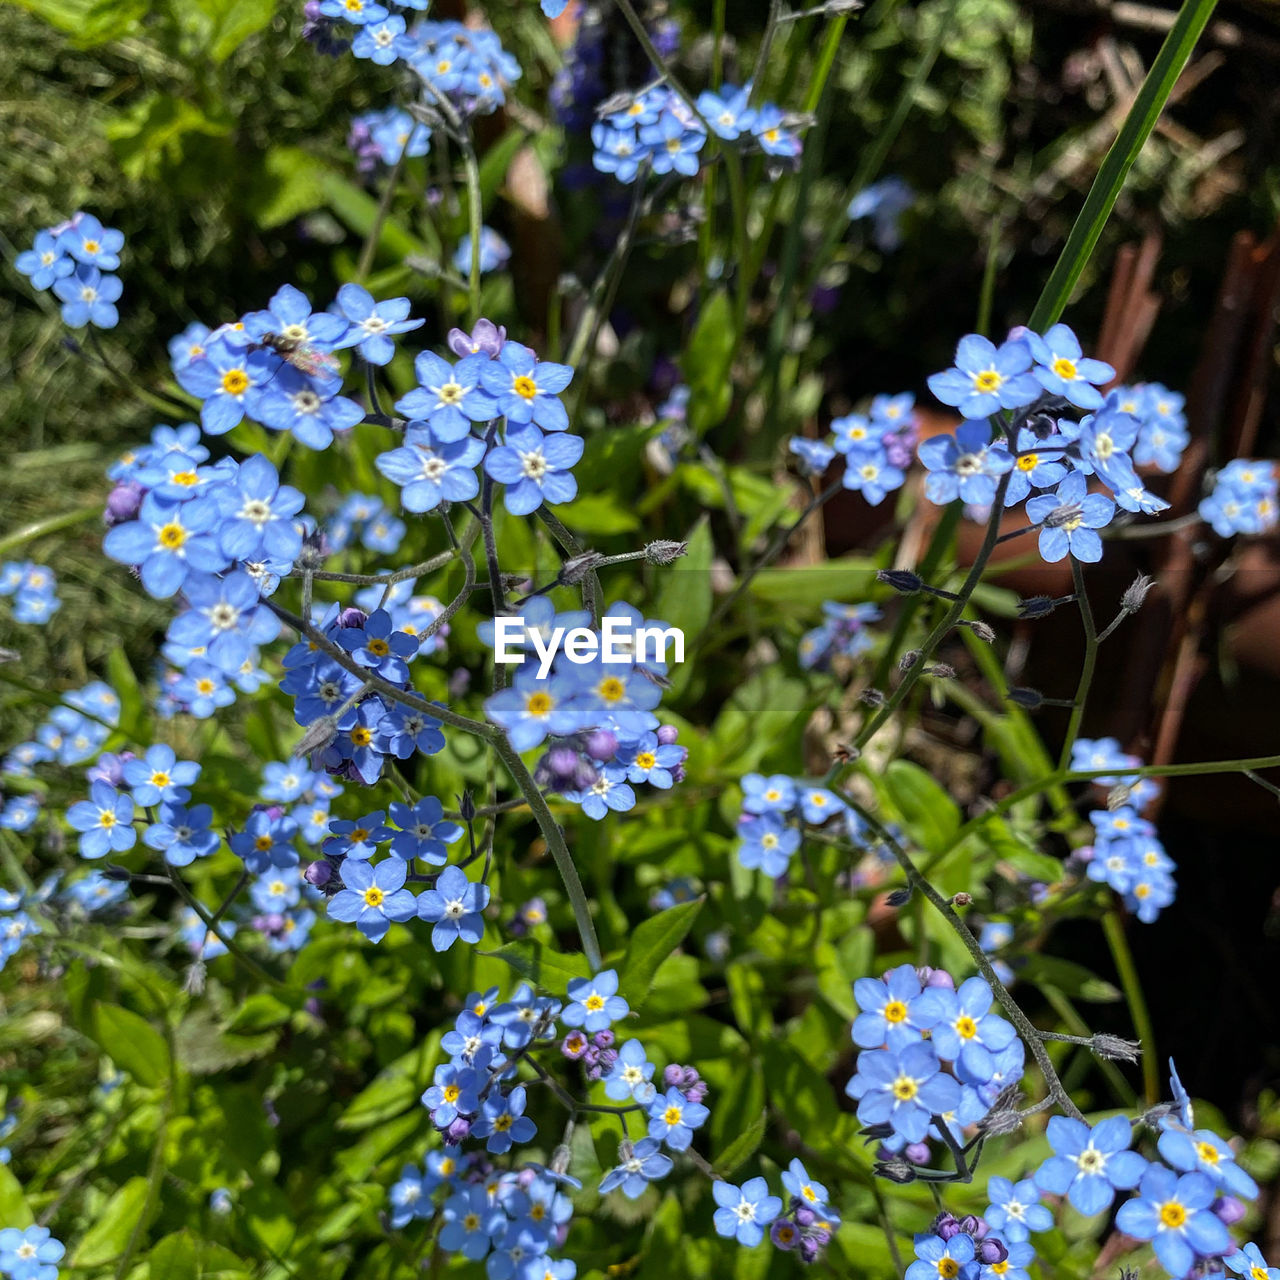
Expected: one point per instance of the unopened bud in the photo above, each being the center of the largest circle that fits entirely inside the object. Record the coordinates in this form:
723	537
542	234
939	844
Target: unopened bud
1024	697
1115	1048
1036	607
467	806
318	736
941	670
318	873
576	569
122	875
981	630
962	900
908	659
899	897
1118	797
872	697
997	1124
900	580
1041	425
1136	593
665	552
895	1170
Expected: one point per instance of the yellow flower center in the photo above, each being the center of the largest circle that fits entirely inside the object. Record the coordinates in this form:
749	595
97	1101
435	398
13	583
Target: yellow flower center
1172	1215
672	1115
452	1093
904	1088
612	689
525	386
373	896
172	536
1207	1152
159	779
966	1028
361	735
106	819
379	648
594	1003
188	479
948	1268
235	382
987	380
262	843
1064	368
502	1123
1028	462
538	704
91	246
645	759
895	1011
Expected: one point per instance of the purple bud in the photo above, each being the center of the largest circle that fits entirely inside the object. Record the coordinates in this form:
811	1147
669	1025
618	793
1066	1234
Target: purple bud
458	1131
574	1045
917	1152
603	1039
930	977
673	1075
602	745
1228	1209
974	1226
809	1249
318	873
945	1226
696	1092
678	773
312	1006
558	770
487	338
805	1216
783	1233
352	617
459	682
991	1250
667	734
123	503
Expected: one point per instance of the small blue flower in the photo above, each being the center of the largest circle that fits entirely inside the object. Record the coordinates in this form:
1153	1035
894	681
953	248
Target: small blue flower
358	838
45	262
266	842
182	834
105	822
815	455
868	471
423	831
535	468
227	618
89	297
811	1194
372	323
966	465
503	1121
449	398
1089	1165
454	907
167	543
892	1013
258	514
89	242
1015	1209
630	1077
470	1223
744	1211
595	1002
987	378
1204	1152
817	805
640	1165
673	1118
1249	1263
526	389
963	1031
160	776
379	647
1068	519
1062	371
905	1089
1173	1213
774	794
495	253
608	793
939	1259
454	1091
429	471
373	897
30	1253
768	843
530	708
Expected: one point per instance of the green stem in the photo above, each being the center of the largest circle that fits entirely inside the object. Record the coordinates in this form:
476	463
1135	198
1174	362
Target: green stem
370	246
54	524
1142	117
1113	927
227	941
1086	667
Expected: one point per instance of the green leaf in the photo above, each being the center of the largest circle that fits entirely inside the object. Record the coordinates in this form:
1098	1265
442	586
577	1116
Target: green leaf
706	365
14	1211
394	1089
851	578
204	1048
125	683
540	964
106	1239
286	184
929	814
131	1042
259	1012
651	943
1142	117
598	513
1071	979
175	1257
743	1147
232	22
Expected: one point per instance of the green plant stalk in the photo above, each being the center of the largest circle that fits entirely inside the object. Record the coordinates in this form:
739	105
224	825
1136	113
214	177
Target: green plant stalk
1113	928
1086	667
1141	119
879	150
370	246
54	524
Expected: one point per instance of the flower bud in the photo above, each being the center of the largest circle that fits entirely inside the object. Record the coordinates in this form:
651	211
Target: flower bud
601	745
917	1152
123	503
352	617
1029	699
1136	593
318	873
667	735
902	580
1115	1048
665	552
1228	1209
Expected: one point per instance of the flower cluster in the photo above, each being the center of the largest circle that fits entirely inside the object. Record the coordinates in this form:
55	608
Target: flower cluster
877	447
968	1249
775	810
597	714
842	634
495	379
656	130
75	259
277	367
931	1052
1021	386
34	590
1243	498
383	137
1126	853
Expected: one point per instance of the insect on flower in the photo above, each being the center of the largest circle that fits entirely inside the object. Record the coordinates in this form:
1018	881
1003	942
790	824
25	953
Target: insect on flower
302	355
